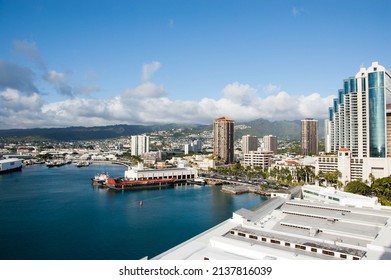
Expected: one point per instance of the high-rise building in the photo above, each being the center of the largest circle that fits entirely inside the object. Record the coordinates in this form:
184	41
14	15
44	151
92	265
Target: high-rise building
195	146
358	128
270	143
249	143
223	136
309	137
360	118
140	145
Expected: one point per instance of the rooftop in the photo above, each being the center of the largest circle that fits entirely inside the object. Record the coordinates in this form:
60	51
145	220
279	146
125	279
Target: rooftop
294	229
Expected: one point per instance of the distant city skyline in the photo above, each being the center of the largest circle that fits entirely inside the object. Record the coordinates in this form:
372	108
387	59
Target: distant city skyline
88	63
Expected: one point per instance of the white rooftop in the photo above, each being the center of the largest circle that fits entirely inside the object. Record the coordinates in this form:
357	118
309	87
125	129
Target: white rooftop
294	229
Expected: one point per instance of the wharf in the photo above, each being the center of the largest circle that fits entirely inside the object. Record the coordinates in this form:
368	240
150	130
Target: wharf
244	189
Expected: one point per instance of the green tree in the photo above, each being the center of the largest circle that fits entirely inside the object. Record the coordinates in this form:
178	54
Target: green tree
332	177
382	187
358	187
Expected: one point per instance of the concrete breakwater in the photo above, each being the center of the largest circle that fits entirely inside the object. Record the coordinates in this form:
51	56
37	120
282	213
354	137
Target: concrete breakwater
245	189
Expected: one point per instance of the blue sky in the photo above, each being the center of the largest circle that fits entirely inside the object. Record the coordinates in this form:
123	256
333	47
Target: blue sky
65	63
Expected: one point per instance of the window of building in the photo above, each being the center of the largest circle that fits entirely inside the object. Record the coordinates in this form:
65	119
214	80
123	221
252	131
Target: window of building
253	237
287	244
206	258
263	239
343	256
241	234
356	258
232	232
314	250
275	241
326	252
301	247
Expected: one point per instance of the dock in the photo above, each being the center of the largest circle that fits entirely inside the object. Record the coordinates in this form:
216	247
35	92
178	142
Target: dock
240	189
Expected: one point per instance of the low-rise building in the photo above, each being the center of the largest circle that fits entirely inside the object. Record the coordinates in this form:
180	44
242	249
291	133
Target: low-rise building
258	158
353	168
140	173
346	227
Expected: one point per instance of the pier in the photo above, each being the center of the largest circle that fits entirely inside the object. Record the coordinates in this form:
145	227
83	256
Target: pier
245	189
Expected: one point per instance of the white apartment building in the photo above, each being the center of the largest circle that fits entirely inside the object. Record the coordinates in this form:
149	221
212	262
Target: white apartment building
360	121
258	158
140	145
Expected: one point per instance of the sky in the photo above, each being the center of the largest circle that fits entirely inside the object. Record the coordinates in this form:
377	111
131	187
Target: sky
91	63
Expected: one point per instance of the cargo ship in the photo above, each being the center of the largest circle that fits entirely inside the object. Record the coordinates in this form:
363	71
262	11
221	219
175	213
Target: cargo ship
10	165
123	184
139	178
100	179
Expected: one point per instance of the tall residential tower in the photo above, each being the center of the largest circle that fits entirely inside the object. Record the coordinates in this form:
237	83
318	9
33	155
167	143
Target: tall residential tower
309	137
270	143
223	136
358	128
140	145
360	118
249	143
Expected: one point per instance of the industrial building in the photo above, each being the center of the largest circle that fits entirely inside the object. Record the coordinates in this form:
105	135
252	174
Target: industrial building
326	224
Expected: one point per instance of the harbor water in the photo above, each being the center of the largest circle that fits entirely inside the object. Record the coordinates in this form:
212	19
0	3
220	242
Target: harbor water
56	214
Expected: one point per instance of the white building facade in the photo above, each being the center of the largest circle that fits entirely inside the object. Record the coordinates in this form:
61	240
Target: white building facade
140	145
360	121
326	225
257	158
139	173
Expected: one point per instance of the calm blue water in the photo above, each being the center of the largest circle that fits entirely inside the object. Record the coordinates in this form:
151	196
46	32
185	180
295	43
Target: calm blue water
57	214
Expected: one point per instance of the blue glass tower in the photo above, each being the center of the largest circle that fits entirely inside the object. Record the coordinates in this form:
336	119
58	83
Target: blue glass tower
377	113
359	116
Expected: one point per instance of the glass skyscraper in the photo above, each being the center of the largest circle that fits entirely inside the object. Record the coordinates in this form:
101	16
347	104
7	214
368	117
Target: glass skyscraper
360	118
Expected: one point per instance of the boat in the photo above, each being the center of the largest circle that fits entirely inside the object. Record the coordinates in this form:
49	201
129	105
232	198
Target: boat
82	164
55	163
100	179
10	165
197	181
124	184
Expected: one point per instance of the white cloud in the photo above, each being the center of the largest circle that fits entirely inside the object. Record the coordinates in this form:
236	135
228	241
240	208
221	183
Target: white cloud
146	90
55	77
239	93
150	69
150	104
13	100
270	88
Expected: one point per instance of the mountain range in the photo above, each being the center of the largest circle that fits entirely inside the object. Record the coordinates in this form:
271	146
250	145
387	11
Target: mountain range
260	127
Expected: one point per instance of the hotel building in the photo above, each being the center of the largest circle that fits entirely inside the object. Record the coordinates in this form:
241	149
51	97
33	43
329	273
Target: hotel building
223	136
358	127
